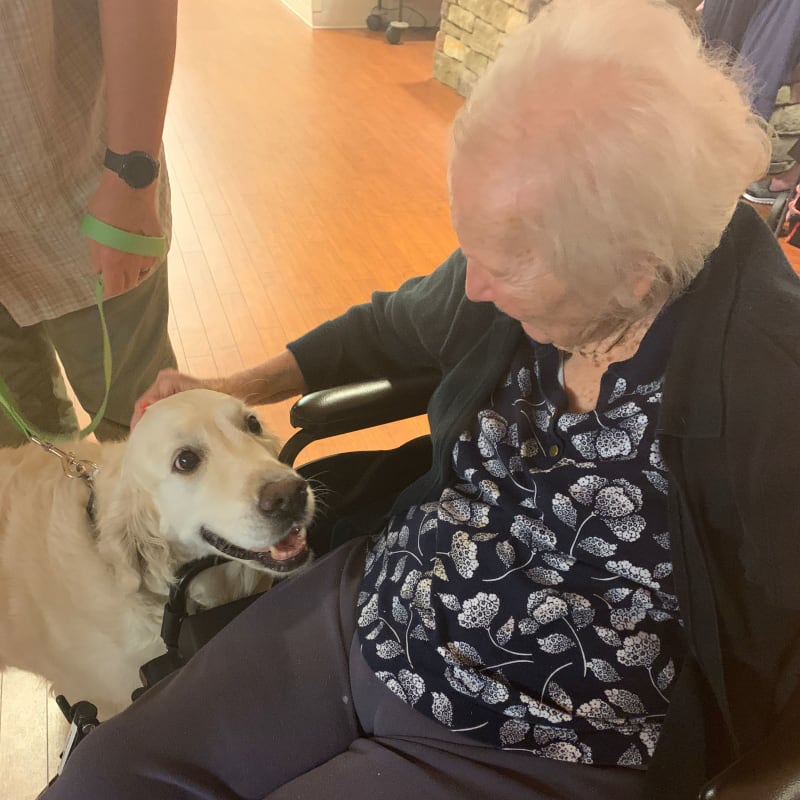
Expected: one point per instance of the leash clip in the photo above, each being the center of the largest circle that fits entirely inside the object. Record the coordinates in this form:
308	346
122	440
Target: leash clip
72	466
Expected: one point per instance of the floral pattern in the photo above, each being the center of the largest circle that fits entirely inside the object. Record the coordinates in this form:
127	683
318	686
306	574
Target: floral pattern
531	606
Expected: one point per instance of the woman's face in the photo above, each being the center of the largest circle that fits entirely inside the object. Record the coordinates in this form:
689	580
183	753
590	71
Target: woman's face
549	313
502	270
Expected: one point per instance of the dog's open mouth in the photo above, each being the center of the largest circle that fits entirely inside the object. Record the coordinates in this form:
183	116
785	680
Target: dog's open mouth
287	555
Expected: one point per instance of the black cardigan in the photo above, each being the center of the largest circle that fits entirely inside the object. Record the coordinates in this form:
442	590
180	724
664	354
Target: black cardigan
729	439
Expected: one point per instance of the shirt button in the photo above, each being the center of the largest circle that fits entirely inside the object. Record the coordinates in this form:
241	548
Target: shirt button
553	450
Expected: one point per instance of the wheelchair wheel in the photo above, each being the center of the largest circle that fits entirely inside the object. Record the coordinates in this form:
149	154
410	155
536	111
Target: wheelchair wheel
777	216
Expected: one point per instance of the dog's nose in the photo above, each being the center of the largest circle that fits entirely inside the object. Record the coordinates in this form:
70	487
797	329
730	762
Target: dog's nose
286	497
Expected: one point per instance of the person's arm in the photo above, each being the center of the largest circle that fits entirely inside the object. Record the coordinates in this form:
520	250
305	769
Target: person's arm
269	382
138	40
417	328
398	333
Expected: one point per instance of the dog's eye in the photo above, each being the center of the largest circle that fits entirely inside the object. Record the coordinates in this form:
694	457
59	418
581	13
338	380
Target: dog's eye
253	425
186	461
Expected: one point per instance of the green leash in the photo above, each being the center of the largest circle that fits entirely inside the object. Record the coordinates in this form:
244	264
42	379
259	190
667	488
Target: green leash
12	412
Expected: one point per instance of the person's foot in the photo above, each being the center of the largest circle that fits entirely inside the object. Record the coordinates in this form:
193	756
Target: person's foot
785	181
760	192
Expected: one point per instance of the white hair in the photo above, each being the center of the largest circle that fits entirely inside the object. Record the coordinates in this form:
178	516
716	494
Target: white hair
625	145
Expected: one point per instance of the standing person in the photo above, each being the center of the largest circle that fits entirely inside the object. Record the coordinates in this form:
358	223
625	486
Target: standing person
83	87
766	36
592	593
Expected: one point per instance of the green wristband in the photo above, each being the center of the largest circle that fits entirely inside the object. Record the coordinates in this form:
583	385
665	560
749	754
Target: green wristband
125	241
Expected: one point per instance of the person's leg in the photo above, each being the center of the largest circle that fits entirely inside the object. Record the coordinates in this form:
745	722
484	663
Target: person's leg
726	21
405	754
140	347
771	47
266	700
785	181
28	366
386	769
399	770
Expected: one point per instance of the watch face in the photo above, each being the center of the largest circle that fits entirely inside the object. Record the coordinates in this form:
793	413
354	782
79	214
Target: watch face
139	170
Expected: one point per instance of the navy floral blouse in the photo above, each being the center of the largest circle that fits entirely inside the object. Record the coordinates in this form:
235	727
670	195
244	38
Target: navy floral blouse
531	606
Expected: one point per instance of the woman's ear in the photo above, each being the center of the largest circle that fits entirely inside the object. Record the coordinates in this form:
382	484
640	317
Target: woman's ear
642	287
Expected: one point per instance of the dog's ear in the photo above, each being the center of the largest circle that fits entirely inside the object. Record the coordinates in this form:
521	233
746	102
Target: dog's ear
130	540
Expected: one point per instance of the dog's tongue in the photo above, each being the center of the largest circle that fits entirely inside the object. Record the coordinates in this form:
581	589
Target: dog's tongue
288	547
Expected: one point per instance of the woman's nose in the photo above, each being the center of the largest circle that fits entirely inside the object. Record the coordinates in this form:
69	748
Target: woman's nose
477	286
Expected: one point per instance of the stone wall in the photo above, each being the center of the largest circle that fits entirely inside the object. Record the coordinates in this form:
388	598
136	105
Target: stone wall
471	31
469	36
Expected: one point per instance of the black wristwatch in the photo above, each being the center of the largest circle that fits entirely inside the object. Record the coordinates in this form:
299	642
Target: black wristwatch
137	168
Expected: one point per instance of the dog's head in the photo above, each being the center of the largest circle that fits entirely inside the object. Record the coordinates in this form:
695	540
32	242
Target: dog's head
201	474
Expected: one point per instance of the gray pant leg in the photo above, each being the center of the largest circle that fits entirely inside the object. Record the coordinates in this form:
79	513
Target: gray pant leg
140	347
28	366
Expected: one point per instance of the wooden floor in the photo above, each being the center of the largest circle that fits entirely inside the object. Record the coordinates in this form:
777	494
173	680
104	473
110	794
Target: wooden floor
308	169
793	254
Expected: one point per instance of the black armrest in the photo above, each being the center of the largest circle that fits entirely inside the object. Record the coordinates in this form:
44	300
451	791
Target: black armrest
354	406
343	409
765	773
769	771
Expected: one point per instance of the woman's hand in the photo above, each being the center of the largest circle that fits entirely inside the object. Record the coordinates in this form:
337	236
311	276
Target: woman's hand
275	379
167	383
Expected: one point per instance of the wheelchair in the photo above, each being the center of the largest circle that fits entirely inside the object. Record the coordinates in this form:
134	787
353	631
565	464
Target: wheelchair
359	489
780	212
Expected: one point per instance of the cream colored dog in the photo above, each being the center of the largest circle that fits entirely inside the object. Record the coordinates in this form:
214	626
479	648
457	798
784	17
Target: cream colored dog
81	599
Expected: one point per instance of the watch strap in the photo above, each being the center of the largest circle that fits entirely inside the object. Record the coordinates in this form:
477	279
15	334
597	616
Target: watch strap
113	161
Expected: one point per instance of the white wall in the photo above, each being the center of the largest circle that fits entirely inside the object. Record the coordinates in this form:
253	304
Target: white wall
354	13
302	8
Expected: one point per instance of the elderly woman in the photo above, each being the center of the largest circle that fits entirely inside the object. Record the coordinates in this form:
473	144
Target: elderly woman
593	592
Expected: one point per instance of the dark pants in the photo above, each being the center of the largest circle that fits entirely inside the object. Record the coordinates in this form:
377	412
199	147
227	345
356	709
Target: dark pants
281	705
765	34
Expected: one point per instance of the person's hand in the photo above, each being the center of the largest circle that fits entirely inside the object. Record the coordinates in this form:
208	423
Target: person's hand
167	383
132	210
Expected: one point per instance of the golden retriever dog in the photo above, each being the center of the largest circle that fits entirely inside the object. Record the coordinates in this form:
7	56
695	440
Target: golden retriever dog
82	588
